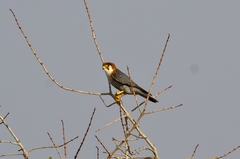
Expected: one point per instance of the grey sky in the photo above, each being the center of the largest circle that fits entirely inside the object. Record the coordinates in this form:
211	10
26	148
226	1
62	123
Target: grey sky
201	62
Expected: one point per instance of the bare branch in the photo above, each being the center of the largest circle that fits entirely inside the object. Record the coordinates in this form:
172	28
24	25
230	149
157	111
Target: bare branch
43	66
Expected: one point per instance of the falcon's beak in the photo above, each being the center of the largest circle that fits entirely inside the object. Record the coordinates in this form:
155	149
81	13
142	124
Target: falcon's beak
105	67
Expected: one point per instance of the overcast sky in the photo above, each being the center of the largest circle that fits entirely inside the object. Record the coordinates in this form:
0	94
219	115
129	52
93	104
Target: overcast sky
201	62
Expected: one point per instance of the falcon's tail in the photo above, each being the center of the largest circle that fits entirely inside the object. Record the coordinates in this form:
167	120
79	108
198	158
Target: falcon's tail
150	98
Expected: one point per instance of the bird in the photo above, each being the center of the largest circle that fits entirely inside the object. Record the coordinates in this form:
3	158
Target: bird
121	81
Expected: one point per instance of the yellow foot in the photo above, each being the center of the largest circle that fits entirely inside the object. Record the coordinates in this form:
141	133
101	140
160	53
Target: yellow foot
117	96
119	93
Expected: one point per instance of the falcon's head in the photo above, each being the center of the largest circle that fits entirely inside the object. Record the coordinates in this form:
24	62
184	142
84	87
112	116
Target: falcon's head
109	67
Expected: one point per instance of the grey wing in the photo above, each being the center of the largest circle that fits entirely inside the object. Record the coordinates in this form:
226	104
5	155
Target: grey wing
124	80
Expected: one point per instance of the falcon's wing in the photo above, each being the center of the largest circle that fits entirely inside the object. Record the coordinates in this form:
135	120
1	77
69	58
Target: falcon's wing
122	78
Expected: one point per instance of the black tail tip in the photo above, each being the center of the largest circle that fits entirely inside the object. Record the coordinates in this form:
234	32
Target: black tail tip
153	100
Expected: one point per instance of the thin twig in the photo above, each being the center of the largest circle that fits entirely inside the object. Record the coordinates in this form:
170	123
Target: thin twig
129	76
85	135
122	124
224	155
160	92
112	122
47	147
164	109
93	33
125	130
158	68
104	101
97	152
64	140
153	96
8	142
194	152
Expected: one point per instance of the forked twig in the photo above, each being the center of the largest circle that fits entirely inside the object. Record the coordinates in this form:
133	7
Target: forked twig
55	146
24	151
4	117
43	66
33	149
102	145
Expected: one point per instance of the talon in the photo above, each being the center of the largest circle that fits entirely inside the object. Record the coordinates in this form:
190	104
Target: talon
117	96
